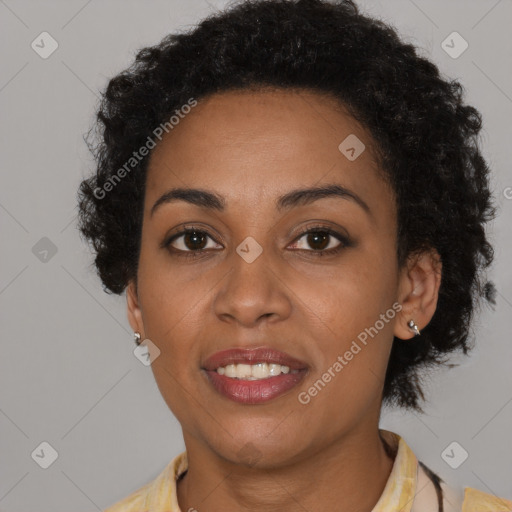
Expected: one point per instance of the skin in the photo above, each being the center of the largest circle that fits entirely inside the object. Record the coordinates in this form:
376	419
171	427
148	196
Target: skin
251	148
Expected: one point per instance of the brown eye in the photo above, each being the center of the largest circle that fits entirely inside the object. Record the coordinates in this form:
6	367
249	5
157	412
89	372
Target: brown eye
318	240
321	240
192	241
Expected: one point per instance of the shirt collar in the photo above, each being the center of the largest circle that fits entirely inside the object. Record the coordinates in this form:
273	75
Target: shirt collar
400	487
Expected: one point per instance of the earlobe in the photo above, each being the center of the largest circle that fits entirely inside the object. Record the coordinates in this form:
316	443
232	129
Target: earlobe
133	308
419	290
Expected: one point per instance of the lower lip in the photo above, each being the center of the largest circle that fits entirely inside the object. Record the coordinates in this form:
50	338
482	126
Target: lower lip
254	391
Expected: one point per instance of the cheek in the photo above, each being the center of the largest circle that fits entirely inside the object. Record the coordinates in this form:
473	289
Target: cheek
352	322
173	316
351	296
352	349
351	311
172	310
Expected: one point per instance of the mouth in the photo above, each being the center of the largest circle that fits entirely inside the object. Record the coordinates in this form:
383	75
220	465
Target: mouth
253	376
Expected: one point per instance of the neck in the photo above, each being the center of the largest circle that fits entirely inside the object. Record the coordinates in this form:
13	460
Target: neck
353	470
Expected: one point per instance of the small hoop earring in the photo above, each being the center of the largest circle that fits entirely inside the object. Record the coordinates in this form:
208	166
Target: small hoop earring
412	325
136	338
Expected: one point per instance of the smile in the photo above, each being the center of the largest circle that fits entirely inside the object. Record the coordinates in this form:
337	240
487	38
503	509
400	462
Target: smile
253	376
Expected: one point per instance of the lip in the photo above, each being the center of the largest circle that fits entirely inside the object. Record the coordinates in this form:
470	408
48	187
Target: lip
253	391
252	356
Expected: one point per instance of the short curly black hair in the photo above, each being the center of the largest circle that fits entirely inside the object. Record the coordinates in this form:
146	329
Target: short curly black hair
425	135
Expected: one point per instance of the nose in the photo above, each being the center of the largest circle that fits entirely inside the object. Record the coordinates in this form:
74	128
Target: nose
252	292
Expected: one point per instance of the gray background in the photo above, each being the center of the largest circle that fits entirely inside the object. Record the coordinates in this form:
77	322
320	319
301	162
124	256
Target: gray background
68	375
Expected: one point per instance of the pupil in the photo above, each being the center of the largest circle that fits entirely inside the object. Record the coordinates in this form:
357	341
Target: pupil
314	237
194	236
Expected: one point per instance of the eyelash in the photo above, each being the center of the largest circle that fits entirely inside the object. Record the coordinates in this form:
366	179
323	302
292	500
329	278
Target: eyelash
344	241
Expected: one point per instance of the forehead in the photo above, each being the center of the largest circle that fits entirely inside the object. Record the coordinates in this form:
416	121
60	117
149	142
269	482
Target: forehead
260	144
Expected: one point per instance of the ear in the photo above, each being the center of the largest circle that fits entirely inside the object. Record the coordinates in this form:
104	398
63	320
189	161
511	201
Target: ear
133	309
419	284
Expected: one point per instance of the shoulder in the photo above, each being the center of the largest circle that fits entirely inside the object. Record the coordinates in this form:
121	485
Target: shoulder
479	501
468	499
133	502
158	495
432	493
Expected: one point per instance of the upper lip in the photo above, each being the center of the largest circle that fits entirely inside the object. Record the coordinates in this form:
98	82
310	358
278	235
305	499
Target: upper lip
252	356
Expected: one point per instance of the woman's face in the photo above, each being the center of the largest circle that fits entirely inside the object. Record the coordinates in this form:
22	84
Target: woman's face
310	296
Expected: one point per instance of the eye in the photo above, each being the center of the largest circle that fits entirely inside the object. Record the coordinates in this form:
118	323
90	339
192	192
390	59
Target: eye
323	240
191	242
194	242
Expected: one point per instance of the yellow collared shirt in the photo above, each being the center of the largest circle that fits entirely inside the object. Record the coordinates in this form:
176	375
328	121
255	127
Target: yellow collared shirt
408	489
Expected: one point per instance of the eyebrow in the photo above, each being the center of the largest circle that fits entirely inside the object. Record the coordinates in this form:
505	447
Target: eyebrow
299	197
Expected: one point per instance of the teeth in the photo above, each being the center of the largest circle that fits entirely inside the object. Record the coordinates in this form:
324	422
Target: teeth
253	371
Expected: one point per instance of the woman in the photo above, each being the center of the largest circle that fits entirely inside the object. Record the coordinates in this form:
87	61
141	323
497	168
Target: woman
294	202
